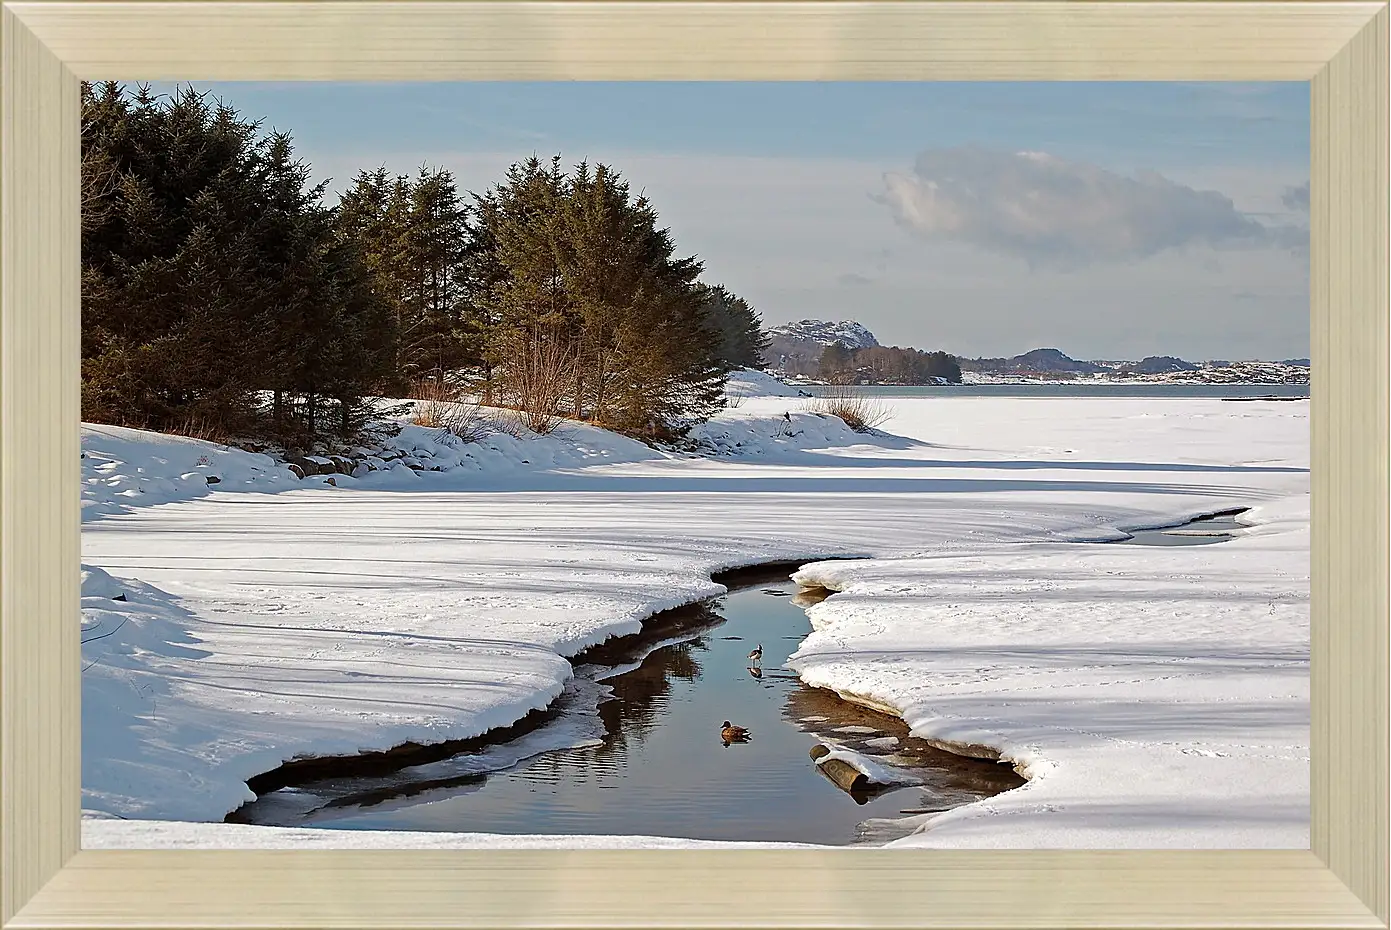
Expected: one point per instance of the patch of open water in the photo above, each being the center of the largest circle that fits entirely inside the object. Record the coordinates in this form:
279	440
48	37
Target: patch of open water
1202	531
636	750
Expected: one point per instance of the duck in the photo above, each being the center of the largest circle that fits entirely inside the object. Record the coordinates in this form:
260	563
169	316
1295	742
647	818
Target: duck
732	734
757	655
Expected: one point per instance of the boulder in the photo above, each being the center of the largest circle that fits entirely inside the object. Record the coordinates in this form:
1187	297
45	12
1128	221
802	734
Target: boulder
305	465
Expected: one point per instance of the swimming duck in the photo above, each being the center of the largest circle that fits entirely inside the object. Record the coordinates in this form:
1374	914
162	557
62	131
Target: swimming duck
732	734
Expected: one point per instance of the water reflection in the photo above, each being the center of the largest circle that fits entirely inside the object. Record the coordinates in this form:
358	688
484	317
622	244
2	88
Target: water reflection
641	750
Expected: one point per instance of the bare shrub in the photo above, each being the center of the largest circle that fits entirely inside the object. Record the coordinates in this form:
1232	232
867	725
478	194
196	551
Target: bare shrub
442	402
538	379
861	412
466	422
434	395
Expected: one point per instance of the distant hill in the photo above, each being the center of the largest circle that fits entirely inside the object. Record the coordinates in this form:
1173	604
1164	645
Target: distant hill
1052	360
1053	365
822	333
1158	365
796	347
1037	361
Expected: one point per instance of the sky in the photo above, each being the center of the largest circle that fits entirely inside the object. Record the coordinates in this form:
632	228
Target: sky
1108	220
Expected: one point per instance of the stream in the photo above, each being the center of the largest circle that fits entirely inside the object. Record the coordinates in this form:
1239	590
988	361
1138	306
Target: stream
635	749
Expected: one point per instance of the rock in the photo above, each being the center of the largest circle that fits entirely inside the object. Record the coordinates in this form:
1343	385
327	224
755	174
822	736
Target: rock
119	597
331	482
214	479
362	470
318	465
296	470
341	464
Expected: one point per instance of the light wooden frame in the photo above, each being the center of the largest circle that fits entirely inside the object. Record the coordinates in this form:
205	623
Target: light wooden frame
1341	47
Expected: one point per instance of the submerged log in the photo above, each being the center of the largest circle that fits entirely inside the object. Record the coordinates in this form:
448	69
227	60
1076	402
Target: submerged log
846	776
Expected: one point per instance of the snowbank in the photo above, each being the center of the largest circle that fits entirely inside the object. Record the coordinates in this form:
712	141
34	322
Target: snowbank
1157	697
1154	696
125	468
749	382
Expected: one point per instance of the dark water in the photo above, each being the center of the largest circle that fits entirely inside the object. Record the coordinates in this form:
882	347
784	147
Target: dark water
1203	531
658	766
1231	391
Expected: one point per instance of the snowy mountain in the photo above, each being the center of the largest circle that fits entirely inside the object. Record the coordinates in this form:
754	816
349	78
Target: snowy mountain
821	333
797	347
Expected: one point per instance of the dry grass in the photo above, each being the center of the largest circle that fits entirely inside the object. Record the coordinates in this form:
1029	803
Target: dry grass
861	412
442	403
200	428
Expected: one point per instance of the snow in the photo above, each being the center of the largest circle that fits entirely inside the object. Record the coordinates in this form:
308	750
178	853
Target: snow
127	468
750	383
1155	697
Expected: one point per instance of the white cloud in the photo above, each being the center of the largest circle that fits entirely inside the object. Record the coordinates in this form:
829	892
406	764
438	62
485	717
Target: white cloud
1052	212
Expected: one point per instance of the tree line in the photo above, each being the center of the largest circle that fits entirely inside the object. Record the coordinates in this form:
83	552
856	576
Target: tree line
886	365
223	294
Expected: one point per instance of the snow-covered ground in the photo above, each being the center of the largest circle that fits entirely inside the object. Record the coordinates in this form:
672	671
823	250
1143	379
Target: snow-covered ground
1154	696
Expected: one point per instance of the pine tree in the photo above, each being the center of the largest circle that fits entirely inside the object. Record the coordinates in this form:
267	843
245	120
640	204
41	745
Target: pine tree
738	328
373	215
432	253
575	264
835	362
212	274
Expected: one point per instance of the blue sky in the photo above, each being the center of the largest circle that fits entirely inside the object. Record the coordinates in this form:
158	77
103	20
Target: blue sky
1108	220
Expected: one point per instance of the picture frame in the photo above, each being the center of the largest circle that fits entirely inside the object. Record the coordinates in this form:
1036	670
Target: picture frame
1341	48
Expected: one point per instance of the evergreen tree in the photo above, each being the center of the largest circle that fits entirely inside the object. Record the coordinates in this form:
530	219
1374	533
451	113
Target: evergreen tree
373	215
213	274
431	256
171	290
835	362
741	341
